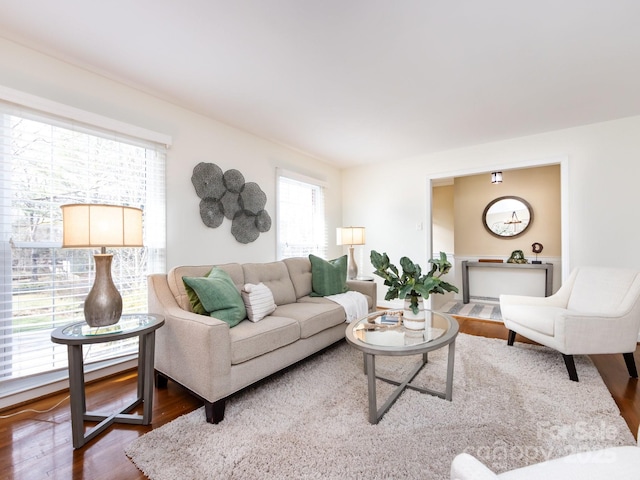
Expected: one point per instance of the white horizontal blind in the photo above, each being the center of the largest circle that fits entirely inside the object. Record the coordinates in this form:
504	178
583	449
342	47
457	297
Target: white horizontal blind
301	218
46	162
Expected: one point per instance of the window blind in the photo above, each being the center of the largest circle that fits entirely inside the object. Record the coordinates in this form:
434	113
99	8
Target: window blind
301	217
47	161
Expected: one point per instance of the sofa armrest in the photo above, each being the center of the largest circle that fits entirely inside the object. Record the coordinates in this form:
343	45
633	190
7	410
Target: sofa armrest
192	349
367	288
467	467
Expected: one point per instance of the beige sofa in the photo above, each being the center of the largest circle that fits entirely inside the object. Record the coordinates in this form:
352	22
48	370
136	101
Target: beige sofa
213	360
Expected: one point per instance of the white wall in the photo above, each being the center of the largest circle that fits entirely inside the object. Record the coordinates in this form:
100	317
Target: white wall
603	191
195	139
388	199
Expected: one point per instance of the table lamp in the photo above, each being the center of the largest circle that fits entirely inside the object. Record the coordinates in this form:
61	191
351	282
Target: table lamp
350	236
101	226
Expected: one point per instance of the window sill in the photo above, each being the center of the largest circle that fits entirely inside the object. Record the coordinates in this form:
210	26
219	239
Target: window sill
22	390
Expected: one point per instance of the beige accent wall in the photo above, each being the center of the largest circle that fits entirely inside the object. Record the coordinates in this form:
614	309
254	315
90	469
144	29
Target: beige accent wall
443	219
539	186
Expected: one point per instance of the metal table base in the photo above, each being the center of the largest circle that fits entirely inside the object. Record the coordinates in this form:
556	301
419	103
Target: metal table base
370	370
79	414
142	326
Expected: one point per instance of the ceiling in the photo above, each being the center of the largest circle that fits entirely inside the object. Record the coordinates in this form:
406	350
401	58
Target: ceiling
358	81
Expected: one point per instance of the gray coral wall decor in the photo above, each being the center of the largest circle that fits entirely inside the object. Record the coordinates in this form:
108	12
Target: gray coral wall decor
227	195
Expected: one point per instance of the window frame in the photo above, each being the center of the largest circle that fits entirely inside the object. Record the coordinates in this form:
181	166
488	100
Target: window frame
321	248
17	390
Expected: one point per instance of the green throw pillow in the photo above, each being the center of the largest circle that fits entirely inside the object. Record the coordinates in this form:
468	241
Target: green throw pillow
328	277
196	304
218	295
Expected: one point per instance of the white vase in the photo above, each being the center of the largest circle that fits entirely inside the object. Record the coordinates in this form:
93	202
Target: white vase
410	320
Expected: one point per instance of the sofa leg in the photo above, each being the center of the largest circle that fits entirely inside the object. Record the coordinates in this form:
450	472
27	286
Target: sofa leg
571	367
512	337
161	380
631	364
214	411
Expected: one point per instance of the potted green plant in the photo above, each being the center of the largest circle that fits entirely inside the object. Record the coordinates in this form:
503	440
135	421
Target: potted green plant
411	284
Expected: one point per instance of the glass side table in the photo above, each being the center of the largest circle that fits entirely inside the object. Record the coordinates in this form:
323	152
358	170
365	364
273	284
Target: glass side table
76	335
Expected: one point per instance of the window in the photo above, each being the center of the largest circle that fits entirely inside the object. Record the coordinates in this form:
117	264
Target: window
301	221
46	162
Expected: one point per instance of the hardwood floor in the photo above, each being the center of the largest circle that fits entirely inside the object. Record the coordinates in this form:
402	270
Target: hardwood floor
37	446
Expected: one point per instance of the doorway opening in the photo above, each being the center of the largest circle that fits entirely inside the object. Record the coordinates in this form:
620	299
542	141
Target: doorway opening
441	231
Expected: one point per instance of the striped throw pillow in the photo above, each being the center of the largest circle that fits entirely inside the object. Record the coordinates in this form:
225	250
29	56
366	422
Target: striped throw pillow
258	300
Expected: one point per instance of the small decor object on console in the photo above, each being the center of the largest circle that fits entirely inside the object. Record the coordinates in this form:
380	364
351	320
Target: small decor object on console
536	248
517	256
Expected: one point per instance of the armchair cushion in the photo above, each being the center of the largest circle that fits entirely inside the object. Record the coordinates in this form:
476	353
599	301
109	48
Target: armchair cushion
601	290
540	319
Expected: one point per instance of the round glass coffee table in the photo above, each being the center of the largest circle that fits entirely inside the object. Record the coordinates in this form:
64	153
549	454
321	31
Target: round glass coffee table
377	334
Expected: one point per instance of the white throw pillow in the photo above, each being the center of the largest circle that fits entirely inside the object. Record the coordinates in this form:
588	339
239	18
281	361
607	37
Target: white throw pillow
258	300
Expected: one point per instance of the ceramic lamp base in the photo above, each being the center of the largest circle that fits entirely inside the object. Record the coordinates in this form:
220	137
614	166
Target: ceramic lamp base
103	305
352	272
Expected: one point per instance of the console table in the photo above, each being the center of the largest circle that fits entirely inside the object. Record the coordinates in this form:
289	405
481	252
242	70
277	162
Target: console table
548	267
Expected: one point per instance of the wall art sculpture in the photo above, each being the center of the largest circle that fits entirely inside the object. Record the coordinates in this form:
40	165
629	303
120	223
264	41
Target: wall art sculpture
227	195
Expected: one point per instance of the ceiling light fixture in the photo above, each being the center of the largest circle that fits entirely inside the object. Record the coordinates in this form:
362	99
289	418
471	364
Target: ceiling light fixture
496	177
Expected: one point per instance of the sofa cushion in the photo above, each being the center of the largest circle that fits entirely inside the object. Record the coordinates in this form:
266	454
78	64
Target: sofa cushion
300	273
275	276
328	277
250	340
258	300
313	317
219	296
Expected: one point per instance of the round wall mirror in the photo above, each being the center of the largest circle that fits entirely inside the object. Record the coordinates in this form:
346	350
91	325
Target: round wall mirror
507	217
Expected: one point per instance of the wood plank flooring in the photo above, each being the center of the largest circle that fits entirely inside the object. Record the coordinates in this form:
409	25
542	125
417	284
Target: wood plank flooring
37	446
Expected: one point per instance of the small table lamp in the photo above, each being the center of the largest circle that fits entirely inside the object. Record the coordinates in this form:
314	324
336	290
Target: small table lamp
93	226
350	236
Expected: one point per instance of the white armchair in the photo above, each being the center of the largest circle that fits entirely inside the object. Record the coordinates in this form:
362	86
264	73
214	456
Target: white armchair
597	310
615	463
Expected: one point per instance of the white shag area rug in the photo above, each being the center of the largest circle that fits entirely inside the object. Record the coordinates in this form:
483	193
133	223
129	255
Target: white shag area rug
512	406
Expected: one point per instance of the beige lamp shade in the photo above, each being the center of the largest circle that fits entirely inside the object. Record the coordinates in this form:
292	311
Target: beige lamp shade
93	225
350	236
101	226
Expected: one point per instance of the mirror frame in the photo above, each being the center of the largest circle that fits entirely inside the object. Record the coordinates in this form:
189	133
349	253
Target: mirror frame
507	197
